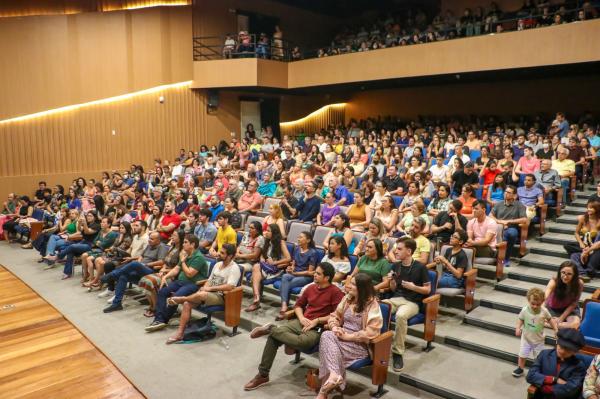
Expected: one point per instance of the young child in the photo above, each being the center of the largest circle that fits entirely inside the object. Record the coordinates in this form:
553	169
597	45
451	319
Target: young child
530	327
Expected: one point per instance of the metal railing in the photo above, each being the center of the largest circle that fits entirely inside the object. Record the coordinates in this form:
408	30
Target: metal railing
213	47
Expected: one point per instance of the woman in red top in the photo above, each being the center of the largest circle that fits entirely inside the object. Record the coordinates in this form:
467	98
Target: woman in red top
467	198
489	172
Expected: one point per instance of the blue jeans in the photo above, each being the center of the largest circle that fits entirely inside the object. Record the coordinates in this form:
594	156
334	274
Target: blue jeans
449	281
511	236
175	288
132	272
288	282
71	251
53	243
565	183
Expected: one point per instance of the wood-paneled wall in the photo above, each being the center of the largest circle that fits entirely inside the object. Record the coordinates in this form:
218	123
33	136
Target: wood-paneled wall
24	8
332	114
61	146
52	61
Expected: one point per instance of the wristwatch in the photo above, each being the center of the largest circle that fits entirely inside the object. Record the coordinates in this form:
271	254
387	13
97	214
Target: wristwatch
554	380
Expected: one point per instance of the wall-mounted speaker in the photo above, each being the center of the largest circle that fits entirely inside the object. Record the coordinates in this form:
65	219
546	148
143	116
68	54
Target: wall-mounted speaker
212	103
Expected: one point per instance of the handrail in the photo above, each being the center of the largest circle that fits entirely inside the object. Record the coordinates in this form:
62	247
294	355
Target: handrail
282	50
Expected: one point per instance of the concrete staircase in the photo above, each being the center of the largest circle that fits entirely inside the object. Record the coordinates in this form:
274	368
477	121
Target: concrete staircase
469	346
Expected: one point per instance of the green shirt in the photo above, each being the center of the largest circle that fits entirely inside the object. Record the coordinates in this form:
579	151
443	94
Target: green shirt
195	261
71	228
377	269
105	241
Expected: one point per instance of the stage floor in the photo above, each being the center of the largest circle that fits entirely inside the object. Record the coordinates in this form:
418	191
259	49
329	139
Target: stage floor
44	356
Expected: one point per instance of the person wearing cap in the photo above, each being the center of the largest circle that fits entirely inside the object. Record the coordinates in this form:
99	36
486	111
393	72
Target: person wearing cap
558	373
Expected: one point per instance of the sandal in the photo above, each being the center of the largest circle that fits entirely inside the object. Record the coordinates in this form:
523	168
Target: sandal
252	308
330	385
173	340
281	316
149	313
171	301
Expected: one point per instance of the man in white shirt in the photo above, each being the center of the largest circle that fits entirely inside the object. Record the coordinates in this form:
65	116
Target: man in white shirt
458	153
177	169
439	171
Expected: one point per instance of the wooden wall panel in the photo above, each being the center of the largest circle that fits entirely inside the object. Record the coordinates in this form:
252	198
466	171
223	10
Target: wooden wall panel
58	147
23	8
333	114
53	61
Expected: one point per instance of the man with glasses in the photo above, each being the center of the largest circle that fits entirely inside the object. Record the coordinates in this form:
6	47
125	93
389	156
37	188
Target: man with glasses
509	213
302	333
565	168
251	200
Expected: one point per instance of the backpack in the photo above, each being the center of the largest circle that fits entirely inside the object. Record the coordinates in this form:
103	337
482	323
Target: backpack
199	330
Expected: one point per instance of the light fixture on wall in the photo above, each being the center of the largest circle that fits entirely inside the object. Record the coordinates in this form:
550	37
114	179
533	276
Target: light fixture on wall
313	114
97	102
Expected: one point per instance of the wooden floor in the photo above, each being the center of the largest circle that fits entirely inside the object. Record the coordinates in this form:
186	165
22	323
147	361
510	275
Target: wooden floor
42	355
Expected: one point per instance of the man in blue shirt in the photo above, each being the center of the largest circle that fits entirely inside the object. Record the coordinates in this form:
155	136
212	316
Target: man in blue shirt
563	124
593	138
205	231
215	207
530	194
309	206
342	195
519	148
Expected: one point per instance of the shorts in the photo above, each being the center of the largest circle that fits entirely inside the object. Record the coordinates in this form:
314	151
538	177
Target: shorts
559	312
214	299
527	349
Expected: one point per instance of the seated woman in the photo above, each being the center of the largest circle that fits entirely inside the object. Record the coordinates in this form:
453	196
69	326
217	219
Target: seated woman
341	228
68	232
14	226
275	216
375	230
413	166
359	213
88	226
300	272
267	187
586	230
150	283
224	277
356	320
454	262
105	238
467	198
235	218
337	256
591	384
328	211
388	214
275	258
410	198
374	264
417	210
250	248
562	296
379	194
489	172
441	202
115	253
495	192
54	227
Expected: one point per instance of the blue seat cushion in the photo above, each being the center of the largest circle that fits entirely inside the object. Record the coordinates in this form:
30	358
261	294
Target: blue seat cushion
592	341
211	309
270	281
359	364
417	319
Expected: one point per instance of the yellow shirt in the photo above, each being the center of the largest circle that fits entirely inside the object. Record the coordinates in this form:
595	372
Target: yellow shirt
563	167
338	148
227	236
423	245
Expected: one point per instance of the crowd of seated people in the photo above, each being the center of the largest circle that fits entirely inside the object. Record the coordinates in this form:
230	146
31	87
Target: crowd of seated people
259	46
413	26
373	219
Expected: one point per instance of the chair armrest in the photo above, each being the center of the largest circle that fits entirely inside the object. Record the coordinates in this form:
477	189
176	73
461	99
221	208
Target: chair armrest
470	282
531	391
501	249
573	187
524	233
596	294
233	306
543	216
381	347
559	203
432	305
35	229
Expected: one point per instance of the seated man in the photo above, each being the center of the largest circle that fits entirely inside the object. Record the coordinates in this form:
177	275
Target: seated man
447	222
548	179
312	309
481	231
531	195
149	262
409	283
192	268
205	231
510	213
251	200
565	168
169	222
309	206
465	176
557	373
225	234
224	277
454	262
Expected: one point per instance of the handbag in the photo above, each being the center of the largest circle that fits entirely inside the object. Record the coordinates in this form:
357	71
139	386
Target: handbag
268	268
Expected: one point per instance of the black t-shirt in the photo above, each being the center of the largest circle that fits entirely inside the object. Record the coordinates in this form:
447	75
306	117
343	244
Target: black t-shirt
89	238
460	178
542	154
442	218
459	260
394	183
415	273
292	201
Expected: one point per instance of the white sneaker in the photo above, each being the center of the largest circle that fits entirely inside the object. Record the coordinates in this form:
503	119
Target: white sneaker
105	293
111	299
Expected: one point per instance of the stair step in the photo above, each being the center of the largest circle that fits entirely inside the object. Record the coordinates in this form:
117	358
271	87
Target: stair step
557	238
569	219
490	297
541	276
560	228
520	287
542	261
546	249
500	322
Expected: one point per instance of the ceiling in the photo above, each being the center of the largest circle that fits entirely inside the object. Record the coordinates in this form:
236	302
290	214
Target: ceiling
349	8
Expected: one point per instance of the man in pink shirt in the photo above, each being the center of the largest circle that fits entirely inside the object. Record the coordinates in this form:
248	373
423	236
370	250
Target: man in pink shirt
251	200
528	163
482	232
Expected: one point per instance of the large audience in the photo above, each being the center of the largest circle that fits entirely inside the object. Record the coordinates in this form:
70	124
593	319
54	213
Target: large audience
377	199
